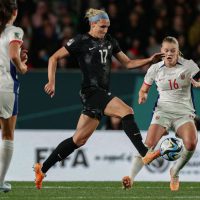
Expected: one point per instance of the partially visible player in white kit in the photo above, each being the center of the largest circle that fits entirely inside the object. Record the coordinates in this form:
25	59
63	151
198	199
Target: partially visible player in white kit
11	61
174	108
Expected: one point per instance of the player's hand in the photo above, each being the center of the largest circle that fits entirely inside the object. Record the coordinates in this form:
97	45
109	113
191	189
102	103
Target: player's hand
23	55
24	68
49	88
195	83
156	57
142	98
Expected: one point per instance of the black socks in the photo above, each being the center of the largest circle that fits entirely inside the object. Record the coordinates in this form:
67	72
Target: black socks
64	149
132	131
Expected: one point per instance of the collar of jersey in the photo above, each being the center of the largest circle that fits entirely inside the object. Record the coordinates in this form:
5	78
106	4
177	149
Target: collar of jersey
180	61
97	39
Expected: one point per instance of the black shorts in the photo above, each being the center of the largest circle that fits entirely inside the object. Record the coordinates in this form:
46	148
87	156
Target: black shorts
94	101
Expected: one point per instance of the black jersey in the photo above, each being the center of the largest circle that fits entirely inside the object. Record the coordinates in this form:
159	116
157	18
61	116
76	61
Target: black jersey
94	58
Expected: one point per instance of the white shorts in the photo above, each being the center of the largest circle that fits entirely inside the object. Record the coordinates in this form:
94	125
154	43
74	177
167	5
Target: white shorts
172	121
8	104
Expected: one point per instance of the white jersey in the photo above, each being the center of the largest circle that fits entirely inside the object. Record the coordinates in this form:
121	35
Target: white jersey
173	85
8	76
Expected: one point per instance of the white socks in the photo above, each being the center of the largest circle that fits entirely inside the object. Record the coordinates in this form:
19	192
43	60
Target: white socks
137	163
185	157
136	166
6	151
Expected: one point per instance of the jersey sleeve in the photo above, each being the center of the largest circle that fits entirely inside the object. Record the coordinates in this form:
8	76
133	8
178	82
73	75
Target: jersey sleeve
15	35
150	75
73	45
116	47
193	68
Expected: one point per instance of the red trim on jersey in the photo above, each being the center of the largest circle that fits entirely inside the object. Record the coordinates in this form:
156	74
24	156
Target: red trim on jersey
147	84
18	41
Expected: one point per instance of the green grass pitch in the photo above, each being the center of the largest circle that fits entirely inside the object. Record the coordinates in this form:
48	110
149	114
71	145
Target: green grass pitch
100	191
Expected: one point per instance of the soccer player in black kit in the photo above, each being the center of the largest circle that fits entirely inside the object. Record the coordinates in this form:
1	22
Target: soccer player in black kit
93	52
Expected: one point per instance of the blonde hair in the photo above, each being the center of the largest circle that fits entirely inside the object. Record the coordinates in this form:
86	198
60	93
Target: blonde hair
91	12
173	40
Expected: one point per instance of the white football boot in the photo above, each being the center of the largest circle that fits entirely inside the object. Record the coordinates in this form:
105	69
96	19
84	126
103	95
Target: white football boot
5	187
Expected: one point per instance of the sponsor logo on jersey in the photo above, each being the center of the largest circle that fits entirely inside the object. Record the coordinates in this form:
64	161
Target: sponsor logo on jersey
92	48
70	42
182	76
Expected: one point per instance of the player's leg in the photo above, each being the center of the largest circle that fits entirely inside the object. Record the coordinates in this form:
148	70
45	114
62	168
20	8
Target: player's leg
188	133
155	132
85	127
6	149
117	108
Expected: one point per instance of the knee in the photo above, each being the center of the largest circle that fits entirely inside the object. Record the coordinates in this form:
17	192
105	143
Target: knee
191	145
7	133
127	111
7	136
150	144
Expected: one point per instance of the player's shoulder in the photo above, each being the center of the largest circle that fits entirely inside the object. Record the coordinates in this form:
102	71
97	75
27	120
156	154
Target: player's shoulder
184	61
82	37
75	40
187	63
77	37
14	29
158	66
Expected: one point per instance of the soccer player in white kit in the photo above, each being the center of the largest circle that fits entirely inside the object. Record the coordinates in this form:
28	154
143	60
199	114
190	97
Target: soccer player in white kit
174	108
11	61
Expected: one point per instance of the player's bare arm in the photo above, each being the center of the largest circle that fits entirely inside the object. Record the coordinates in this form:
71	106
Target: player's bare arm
143	93
130	64
24	55
20	65
52	66
195	83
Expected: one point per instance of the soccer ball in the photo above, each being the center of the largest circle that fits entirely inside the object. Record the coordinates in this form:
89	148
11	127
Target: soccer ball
171	149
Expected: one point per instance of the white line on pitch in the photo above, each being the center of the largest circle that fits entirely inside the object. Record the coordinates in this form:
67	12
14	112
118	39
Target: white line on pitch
107	197
95	187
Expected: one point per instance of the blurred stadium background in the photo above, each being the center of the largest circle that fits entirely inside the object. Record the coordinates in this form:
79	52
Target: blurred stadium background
139	26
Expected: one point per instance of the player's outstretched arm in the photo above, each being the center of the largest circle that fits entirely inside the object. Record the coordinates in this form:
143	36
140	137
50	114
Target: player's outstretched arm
130	64
49	88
